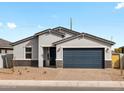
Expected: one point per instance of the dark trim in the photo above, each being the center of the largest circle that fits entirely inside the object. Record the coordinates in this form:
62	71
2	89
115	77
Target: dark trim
65	40
103	55
108	64
42	32
69	31
83	35
99	38
37	34
7	48
56	32
22	40
33	63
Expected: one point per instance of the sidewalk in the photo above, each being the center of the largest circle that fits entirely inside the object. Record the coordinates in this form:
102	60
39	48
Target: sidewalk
38	83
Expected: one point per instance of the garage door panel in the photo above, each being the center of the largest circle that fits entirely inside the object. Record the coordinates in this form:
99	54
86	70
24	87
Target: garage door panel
85	58
80	66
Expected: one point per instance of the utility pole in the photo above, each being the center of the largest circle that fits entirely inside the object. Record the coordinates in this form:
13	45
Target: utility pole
70	23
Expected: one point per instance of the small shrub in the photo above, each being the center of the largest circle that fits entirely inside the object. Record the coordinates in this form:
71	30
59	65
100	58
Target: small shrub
44	72
26	68
20	73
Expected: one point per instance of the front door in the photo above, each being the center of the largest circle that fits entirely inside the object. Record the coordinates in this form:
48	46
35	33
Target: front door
52	55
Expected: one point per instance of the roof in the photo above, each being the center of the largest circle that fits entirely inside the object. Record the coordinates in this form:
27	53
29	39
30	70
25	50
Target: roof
121	47
59	32
22	40
81	35
56	31
69	31
5	43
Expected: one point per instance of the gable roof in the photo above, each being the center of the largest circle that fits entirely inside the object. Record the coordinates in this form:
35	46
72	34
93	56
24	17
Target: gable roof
59	32
82	35
56	31
69	31
22	40
5	43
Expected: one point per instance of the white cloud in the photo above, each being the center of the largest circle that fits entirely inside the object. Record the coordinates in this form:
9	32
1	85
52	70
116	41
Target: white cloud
11	25
120	5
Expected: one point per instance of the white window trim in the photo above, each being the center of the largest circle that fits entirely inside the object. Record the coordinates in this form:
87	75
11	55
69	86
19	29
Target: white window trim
27	52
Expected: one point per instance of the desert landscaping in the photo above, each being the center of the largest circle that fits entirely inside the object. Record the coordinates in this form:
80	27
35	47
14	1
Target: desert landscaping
32	73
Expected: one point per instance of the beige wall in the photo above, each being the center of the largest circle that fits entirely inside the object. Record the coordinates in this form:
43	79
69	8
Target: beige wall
45	40
1	61
35	49
19	50
83	43
8	51
38	43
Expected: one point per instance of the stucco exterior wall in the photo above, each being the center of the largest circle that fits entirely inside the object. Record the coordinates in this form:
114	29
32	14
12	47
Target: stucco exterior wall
1	61
67	35
9	51
38	43
83	43
45	40
19	50
35	48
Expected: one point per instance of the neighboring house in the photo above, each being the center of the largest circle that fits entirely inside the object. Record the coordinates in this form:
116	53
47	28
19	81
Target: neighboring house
5	47
116	60
6	50
119	50
62	47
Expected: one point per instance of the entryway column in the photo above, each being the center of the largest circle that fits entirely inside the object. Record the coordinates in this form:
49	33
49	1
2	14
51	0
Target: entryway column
40	57
48	56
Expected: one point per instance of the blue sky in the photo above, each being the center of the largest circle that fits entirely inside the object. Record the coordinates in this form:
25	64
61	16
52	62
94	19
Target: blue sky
20	20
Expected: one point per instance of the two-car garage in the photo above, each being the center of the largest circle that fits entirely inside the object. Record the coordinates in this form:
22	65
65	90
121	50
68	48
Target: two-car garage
83	51
83	57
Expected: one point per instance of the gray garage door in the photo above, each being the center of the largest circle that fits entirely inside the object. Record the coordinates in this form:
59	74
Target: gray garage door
83	58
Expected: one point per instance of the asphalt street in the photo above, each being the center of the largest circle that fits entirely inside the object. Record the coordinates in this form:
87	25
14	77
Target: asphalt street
31	88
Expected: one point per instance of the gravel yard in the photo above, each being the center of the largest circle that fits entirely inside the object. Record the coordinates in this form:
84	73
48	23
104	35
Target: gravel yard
32	73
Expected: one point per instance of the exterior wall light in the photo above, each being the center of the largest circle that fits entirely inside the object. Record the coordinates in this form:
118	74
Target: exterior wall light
107	50
58	49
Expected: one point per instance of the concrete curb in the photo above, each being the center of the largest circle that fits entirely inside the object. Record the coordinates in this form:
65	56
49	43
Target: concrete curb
39	83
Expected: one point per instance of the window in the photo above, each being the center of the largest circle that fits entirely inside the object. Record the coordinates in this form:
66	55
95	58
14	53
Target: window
28	52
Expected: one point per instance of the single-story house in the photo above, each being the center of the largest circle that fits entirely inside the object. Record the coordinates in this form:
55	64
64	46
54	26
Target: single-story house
6	50
5	47
63	48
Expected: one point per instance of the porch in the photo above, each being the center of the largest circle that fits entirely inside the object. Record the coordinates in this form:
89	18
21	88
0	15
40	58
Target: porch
49	56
